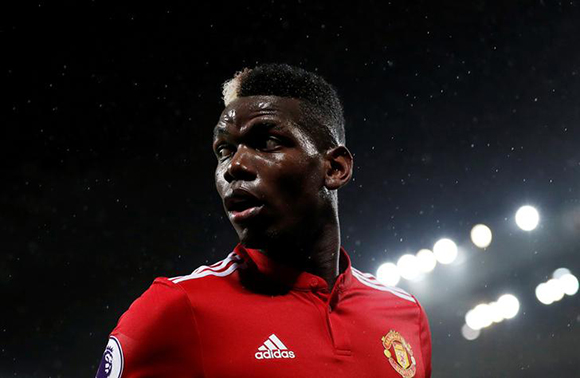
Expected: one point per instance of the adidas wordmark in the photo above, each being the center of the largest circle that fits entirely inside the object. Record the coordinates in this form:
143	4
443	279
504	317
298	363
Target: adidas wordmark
273	348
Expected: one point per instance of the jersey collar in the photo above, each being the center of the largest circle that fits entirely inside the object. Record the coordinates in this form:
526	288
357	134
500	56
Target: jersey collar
291	277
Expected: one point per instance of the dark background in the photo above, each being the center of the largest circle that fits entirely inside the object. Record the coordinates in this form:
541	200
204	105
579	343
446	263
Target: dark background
457	113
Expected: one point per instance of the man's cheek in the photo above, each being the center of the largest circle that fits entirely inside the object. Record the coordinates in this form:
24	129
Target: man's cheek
219	184
291	186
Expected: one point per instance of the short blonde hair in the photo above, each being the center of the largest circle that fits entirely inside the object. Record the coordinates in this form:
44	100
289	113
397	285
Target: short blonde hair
231	87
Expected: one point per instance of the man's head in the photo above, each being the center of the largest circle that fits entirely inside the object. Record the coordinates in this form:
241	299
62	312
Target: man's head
281	154
321	110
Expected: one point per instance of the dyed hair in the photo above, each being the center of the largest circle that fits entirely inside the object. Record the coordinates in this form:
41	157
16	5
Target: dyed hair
319	102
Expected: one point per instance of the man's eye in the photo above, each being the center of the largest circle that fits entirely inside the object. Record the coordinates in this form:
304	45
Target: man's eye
223	152
270	143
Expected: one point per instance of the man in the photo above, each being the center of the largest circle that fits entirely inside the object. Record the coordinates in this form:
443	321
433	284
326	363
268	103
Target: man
286	302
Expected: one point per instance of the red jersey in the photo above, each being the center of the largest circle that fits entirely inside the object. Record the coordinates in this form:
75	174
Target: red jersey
249	316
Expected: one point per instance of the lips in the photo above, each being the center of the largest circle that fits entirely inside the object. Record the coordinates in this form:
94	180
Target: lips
242	205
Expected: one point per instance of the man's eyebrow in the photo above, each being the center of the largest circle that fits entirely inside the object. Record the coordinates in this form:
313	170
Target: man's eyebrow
267	125
261	126
217	131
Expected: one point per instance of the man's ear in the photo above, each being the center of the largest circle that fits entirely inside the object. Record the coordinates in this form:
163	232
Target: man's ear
338	166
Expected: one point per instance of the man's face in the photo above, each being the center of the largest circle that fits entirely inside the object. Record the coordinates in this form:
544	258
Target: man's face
269	173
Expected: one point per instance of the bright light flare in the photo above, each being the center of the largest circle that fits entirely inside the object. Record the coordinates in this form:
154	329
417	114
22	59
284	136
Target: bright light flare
480	317
481	235
426	260
560	272
485	314
472	320
569	284
408	267
445	251
527	218
509	305
556	289
470	333
543	294
496	312
563	283
388	274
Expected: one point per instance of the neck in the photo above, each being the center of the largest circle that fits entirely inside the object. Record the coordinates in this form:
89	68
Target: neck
318	253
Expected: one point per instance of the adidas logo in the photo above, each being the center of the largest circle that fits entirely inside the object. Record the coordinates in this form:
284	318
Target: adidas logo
273	348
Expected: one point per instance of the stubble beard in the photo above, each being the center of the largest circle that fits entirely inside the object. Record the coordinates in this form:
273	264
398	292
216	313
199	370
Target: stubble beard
283	244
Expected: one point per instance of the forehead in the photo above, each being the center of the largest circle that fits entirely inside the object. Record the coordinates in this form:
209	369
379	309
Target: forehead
244	109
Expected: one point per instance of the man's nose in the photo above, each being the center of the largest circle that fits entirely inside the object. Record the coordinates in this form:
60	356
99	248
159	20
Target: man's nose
240	167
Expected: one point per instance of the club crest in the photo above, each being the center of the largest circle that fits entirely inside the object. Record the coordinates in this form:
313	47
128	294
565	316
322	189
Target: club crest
399	353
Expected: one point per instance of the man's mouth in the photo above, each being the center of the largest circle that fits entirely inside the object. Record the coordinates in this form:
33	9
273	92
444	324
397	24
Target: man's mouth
242	205
245	213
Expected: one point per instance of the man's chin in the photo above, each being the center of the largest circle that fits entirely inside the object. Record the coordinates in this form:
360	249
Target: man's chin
257	238
252	241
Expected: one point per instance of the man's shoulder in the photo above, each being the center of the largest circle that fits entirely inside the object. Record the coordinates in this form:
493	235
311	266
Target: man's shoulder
168	299
217	276
370	284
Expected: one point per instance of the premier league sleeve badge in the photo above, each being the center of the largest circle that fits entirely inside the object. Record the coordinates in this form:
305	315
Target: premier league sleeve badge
112	362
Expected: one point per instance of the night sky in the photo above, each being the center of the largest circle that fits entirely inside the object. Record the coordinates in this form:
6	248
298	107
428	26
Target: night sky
457	113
